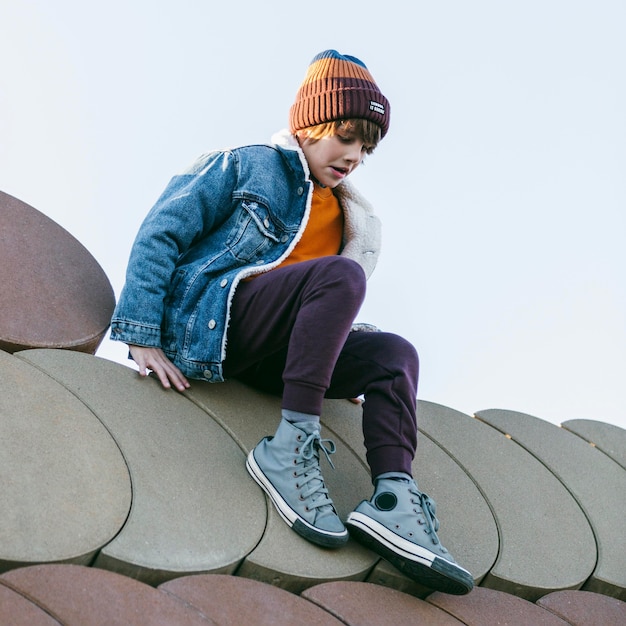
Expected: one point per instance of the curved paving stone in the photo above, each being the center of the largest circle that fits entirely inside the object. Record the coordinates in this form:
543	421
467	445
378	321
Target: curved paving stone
608	438
54	293
64	485
473	540
194	507
597	483
286	560
232	601
249	415
585	608
17	610
364	604
488	606
546	543
86	596
282	557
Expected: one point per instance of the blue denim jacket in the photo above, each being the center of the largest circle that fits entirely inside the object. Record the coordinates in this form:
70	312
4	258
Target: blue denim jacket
233	214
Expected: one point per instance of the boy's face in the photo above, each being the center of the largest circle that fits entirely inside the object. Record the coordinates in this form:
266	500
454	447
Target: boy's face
331	159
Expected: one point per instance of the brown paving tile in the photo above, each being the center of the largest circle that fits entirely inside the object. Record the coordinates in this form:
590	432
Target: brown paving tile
65	487
42	270
585	608
486	606
16	610
233	600
364	604
86	596
387	575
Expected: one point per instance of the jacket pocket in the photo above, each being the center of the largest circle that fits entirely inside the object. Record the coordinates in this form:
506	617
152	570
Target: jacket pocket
254	233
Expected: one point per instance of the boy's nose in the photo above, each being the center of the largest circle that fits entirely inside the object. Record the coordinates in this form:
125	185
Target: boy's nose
353	155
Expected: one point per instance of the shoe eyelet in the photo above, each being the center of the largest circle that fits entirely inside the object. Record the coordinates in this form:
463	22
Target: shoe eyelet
307	509
299	438
297	450
397	526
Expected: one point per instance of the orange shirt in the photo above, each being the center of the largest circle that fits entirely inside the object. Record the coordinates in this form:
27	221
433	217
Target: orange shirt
324	230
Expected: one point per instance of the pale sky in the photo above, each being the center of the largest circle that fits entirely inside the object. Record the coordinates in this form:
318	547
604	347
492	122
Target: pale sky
501	184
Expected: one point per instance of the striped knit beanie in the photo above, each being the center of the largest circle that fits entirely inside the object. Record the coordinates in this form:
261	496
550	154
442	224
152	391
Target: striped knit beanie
338	87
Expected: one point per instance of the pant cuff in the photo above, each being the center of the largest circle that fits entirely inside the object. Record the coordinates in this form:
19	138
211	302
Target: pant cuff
302	397
390	459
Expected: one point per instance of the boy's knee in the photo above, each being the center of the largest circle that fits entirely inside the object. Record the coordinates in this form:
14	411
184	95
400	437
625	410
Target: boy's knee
400	351
347	270
341	273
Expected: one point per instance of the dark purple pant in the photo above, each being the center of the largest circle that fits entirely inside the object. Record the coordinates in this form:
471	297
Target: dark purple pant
289	334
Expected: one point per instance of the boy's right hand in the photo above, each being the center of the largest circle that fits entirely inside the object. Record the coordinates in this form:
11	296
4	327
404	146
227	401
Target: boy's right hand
154	359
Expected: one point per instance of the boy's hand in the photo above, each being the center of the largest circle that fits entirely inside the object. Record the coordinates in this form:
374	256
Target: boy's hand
154	359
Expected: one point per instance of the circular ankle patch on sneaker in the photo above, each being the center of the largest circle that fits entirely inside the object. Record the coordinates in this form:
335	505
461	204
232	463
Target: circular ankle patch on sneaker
386	501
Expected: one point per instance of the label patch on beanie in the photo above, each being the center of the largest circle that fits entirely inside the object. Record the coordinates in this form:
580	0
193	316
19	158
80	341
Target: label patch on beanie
377	107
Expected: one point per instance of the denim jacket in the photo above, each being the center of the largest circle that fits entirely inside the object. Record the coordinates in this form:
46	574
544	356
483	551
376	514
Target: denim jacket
233	214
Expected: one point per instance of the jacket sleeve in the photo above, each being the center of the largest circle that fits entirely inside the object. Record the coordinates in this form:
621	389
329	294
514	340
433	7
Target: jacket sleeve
189	209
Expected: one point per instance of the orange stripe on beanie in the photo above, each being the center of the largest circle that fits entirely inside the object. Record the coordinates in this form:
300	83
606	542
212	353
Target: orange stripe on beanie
338	87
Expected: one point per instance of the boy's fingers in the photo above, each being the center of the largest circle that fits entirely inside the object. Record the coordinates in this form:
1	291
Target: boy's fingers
154	359
169	375
175	377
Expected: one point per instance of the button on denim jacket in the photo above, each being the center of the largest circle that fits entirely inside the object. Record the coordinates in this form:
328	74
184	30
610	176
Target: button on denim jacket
233	214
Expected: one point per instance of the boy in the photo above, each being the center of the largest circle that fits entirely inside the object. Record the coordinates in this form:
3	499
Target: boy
253	265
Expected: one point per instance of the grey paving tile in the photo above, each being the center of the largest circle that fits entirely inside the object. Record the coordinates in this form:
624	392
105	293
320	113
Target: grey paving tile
88	596
16	610
546	543
249	415
364	604
585	608
286	560
608	438
487	606
54	293
597	483
282	557
233	600
194	508
65	488
468	528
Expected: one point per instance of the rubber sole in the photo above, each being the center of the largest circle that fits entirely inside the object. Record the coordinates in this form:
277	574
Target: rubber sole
419	564
324	538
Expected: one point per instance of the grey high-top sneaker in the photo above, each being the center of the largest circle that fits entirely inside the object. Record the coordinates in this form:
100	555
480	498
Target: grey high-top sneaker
287	467
399	524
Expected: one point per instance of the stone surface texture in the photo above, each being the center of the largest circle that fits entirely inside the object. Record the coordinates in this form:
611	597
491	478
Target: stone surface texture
124	503
590	476
53	293
546	543
64	484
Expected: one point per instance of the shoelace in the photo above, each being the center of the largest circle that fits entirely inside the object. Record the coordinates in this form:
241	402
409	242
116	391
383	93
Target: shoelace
310	469
429	508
